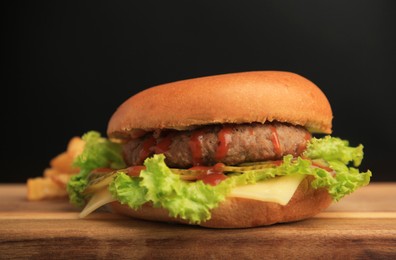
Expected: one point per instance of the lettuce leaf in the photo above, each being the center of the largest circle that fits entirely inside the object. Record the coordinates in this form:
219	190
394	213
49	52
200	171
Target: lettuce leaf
193	201
345	180
127	190
338	154
334	149
98	152
75	187
190	201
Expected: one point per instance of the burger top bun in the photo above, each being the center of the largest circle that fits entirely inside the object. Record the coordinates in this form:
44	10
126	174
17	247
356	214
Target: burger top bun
245	97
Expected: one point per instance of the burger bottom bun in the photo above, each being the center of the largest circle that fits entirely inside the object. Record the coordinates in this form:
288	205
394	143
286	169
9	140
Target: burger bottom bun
243	213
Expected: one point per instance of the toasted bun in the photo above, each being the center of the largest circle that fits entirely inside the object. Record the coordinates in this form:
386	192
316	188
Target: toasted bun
230	98
242	213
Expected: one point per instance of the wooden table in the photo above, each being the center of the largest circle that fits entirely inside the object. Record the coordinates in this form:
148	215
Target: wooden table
362	225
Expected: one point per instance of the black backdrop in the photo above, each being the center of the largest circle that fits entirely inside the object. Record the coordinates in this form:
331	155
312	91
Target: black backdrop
67	66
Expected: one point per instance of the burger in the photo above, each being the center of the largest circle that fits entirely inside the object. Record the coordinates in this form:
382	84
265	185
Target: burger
226	151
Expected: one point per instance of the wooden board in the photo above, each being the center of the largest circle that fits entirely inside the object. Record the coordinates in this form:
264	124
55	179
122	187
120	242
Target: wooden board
362	225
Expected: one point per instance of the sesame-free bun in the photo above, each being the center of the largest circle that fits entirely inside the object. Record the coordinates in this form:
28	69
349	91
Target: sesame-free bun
243	213
245	97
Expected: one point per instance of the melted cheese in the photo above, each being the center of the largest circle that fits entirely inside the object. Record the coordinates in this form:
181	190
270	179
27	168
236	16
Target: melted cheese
99	199
278	190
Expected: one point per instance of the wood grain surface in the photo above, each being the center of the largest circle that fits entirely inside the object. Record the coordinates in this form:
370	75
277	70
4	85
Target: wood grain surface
361	226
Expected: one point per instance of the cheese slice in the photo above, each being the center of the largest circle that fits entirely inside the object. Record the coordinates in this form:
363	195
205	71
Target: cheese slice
99	199
279	190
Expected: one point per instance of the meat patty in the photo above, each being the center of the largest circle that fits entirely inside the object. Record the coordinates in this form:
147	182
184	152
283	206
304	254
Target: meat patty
228	144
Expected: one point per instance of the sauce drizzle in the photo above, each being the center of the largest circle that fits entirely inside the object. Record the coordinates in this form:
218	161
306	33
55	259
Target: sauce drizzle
302	146
224	136
101	170
214	179
146	149
326	168
212	175
134	171
196	147
164	143
206	170
275	141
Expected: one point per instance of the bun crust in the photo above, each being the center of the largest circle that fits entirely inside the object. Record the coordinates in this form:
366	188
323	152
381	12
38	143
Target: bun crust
229	98
243	213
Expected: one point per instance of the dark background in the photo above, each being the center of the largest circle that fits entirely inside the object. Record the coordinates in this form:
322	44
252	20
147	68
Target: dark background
67	66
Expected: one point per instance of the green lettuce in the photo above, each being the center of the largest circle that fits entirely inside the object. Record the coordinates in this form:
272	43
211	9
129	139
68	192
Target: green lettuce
334	149
98	152
127	190
338	154
157	184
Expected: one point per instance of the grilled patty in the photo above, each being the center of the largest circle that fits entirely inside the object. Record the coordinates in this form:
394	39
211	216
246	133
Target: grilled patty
229	144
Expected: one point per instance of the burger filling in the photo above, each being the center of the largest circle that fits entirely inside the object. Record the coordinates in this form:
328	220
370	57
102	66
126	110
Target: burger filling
189	173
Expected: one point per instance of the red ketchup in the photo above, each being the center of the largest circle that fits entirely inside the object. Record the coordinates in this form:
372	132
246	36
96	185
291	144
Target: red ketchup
101	170
275	141
196	147
134	171
146	149
326	168
164	143
224	136
214	179
211	175
277	162
302	146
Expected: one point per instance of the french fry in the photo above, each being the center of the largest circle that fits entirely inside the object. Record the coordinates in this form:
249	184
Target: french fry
49	172
58	177
54	181
61	180
75	147
64	163
43	188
